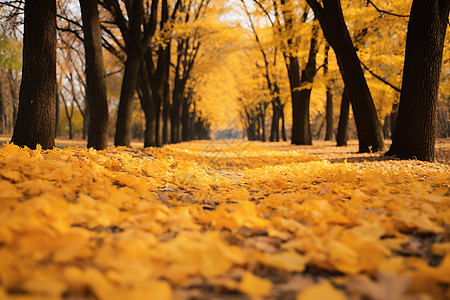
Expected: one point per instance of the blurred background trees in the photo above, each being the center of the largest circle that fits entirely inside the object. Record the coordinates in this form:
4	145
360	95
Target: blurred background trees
178	70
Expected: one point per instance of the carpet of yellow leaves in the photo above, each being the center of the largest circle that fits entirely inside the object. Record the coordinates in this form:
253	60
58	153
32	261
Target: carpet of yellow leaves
230	221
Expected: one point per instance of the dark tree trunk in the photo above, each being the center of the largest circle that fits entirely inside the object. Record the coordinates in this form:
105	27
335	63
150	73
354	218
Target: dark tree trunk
36	116
386	127
175	116
329	104
294	84
335	30
283	125
97	102
2	110
393	117
389	122
342	132
130	77
69	115
185	117
300	122
275	127
13	91
415	132
147	104
329	116
164	71
166	115
57	107
262	120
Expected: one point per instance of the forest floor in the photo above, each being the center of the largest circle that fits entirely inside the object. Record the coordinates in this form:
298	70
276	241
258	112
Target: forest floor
223	220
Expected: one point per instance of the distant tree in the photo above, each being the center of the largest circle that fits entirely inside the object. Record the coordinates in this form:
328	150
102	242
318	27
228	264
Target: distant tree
336	33
342	132
36	116
134	56
2	109
415	130
329	104
95	76
301	128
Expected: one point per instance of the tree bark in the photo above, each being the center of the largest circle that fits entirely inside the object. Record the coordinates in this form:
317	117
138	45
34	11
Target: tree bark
415	130
283	125
275	126
300	118
166	115
342	132
335	30
147	104
95	77
329	104
294	84
134	56
2	110
57	108
36	116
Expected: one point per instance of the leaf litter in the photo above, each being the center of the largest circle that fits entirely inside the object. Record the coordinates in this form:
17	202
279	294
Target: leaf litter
210	221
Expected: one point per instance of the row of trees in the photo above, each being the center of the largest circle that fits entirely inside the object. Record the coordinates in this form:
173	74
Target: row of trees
287	18
145	39
157	44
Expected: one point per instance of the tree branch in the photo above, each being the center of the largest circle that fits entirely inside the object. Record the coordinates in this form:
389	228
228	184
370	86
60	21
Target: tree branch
385	12
318	10
380	78
264	11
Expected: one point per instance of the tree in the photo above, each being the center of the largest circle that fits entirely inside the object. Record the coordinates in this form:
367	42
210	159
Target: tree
187	49
329	104
2	110
415	130
134	56
301	128
36	116
95	76
342	132
335	30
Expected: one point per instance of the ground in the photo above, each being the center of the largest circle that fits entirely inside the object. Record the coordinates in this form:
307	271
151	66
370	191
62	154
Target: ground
223	220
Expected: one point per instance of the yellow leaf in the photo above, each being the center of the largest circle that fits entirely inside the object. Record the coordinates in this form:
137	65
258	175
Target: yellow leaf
344	258
43	285
289	261
13	176
321	291
255	286
440	249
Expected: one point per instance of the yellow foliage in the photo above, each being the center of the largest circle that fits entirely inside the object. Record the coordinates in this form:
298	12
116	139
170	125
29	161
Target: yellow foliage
322	290
129	223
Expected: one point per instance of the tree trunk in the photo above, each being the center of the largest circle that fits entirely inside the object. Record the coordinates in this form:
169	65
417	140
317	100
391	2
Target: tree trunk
36	116
130	77
329	104
147	104
415	130
57	107
301	124
275	126
335	30
329	116
166	115
185	118
294	84
97	103
262	117
2	110
283	125
342	132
